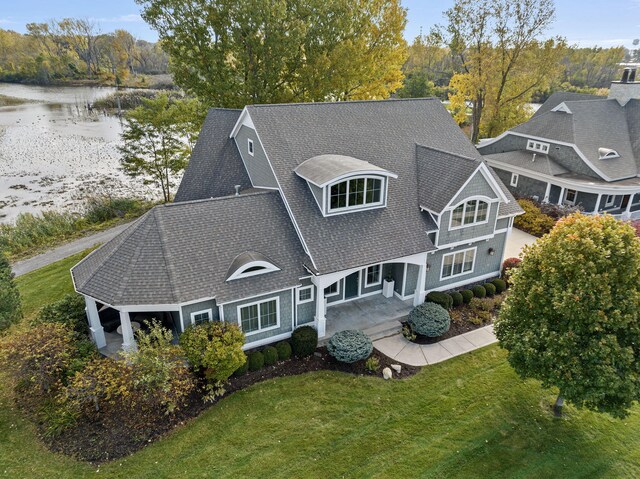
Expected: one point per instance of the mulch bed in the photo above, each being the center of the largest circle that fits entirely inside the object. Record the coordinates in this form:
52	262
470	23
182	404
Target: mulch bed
107	438
457	328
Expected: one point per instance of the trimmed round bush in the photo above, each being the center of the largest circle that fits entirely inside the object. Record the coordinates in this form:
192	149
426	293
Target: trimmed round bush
256	360
500	284
350	346
429	319
489	288
443	299
270	355
479	291
304	341
467	295
242	370
457	298
284	350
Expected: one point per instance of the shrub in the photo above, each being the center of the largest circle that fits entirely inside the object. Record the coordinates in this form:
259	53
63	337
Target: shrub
408	333
69	311
372	364
481	304
270	355
533	221
10	310
500	285
242	370
479	291
214	347
467	295
284	350
443	299
256	361
489	288
457	298
105	208
304	341
429	319
507	266
350	346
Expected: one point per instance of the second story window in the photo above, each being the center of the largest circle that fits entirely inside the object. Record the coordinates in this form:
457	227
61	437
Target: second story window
250	147
538	146
469	213
355	192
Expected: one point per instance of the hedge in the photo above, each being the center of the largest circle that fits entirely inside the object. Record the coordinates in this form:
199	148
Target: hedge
304	341
443	299
429	319
479	291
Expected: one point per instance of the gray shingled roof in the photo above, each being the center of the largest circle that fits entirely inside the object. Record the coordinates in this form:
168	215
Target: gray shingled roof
215	166
182	252
524	159
323	169
563	96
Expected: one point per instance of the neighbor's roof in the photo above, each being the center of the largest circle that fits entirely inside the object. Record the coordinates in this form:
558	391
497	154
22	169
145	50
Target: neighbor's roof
323	169
182	252
524	159
561	97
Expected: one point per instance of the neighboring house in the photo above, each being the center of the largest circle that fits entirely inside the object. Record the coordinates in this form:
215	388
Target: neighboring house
287	213
576	150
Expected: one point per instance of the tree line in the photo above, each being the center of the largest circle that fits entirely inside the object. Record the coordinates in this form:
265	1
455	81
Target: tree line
76	49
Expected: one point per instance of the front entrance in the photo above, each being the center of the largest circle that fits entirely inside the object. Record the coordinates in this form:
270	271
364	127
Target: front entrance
351	285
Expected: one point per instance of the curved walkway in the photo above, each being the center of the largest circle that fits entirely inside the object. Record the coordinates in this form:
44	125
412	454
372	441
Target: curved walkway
404	351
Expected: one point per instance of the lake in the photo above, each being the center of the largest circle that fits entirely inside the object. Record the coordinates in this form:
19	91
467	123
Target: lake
55	152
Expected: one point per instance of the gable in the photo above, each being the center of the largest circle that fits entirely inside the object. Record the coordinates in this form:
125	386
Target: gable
255	162
476	186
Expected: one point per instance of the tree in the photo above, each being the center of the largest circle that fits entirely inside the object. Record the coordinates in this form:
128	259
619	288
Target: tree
157	140
503	61
572	319
231	53
10	307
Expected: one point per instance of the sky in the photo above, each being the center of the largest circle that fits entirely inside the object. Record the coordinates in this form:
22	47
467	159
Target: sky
583	22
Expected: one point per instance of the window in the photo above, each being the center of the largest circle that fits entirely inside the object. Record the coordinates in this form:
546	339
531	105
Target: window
459	263
201	316
331	290
610	200
374	275
305	294
538	146
514	179
250	147
356	192
259	316
606	153
570	197
471	212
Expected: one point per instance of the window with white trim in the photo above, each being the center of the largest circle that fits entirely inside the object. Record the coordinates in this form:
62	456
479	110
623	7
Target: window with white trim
570	197
610	200
331	290
305	294
198	317
538	146
458	263
259	316
250	146
514	179
252	269
356	192
374	275
469	213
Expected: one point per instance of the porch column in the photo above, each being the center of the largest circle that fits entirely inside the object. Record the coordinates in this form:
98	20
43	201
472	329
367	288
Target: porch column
547	193
320	320
128	340
561	198
598	203
418	297
97	332
627	212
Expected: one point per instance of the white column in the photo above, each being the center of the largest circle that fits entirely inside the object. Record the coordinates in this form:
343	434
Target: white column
561	198
547	192
97	332
418	297
320	320
627	213
128	340
598	203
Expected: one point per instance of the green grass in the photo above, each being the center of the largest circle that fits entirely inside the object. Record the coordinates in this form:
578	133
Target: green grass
467	417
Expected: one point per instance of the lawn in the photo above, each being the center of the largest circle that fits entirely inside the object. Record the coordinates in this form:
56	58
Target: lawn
468	417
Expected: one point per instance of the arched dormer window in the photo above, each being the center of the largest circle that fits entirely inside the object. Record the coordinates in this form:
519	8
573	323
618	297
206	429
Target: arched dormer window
470	212
355	193
250	264
607	153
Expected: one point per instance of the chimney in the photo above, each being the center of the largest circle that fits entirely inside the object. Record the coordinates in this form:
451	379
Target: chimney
627	88
237	187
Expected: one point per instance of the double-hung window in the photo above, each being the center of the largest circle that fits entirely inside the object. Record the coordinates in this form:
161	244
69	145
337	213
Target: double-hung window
471	212
201	316
458	263
259	316
374	275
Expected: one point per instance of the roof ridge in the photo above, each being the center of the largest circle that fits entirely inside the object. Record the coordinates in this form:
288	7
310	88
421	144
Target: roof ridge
218	108
165	257
219	198
463	157
343	102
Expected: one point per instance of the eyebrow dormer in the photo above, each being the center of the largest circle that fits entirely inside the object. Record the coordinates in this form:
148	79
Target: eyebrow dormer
342	184
249	263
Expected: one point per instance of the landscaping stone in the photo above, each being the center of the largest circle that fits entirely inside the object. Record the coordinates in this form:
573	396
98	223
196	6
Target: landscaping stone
397	368
386	373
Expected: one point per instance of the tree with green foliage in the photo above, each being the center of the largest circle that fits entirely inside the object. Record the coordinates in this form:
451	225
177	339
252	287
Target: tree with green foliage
10	307
231	53
158	138
572	319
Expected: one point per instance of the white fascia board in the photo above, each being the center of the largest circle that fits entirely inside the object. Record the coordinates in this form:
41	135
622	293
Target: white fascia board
483	169
563	108
243	119
349	175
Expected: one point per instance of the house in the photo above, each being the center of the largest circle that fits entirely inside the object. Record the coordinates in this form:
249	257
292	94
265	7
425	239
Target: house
290	214
576	150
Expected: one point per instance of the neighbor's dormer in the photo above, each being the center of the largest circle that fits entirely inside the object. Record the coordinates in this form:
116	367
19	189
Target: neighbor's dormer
343	184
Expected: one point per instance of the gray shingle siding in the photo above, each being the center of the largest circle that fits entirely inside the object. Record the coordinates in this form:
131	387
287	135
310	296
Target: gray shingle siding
530	187
192	308
477	186
468	233
587	200
257	165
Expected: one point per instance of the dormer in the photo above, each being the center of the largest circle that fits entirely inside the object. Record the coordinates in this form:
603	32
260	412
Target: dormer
250	263
343	184
607	154
562	107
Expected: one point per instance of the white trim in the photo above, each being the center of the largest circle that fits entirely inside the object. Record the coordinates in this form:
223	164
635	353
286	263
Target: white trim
563	108
271	339
221	312
462	272
514	179
258	304
538	146
363	295
484	171
366	276
464	202
243	119
473	279
337	179
566	199
250	148
311	297
338	289
607	203
181	320
195	313
326	196
257	296
265	266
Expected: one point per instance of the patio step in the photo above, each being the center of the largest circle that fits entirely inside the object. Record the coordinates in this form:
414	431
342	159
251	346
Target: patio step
383	330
